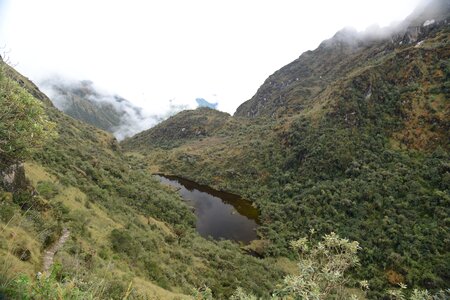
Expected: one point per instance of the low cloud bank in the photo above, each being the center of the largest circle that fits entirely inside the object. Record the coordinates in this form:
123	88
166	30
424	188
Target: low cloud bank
83	101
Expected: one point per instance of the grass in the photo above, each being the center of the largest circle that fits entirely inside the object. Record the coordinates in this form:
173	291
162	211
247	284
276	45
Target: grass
340	156
98	225
161	271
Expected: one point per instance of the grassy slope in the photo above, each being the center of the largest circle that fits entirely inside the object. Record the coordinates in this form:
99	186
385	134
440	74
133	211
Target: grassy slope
185	126
125	227
367	158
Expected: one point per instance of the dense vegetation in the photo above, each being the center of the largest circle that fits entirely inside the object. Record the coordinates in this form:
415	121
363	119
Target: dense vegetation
184	126
351	138
366	155
23	124
129	236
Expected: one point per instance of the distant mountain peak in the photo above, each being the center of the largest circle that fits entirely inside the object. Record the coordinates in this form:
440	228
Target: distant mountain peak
306	83
437	10
203	103
82	101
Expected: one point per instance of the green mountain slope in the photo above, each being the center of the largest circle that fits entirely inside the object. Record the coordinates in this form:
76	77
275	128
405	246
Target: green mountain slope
186	125
309	81
352	137
128	235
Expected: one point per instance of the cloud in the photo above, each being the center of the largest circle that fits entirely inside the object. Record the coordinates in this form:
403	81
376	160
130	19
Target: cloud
150	52
83	100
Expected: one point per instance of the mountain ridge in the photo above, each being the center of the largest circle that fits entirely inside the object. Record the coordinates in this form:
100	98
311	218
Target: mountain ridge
129	234
285	90
83	101
352	137
358	146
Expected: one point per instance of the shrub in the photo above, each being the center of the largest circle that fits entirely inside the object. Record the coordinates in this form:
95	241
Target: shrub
47	189
122	242
23	122
322	269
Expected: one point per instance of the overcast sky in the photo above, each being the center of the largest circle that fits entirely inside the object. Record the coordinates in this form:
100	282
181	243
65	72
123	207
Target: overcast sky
153	51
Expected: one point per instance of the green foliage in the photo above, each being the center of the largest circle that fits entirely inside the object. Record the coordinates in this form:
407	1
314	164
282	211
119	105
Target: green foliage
7	208
363	153
240	294
171	255
323	273
322	269
184	126
367	158
129	226
53	287
47	189
416	294
23	123
332	176
203	293
41	288
122	242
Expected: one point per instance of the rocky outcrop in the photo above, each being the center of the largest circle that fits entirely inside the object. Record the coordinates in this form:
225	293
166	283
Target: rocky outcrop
13	178
305	82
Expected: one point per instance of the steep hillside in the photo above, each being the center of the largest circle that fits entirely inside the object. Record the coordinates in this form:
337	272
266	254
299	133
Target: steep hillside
112	113
127	236
307	82
352	137
80	101
186	125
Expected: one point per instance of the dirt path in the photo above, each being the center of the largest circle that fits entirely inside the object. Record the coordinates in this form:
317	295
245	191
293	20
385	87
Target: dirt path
50	252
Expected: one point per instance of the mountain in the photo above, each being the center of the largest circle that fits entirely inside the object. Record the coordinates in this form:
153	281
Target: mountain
69	194
308	82
352	137
184	126
82	101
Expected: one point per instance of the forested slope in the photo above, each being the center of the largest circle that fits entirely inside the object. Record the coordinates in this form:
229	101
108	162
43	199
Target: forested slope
129	236
352	137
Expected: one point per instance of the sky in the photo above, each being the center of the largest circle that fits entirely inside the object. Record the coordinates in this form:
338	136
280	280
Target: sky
164	52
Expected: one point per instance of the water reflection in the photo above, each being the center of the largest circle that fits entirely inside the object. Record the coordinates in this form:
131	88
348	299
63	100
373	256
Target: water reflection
219	215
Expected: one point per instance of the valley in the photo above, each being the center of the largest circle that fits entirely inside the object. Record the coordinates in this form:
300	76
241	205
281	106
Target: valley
340	160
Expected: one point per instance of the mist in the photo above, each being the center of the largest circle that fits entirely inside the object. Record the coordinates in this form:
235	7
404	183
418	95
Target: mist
110	112
154	52
424	17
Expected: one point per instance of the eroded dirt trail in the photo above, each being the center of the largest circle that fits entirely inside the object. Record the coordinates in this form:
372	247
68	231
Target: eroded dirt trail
50	252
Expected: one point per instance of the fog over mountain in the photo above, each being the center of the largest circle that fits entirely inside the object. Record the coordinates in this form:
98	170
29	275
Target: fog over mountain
84	101
153	51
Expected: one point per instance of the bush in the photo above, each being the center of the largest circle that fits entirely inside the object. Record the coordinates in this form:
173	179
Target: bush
122	242
7	211
322	269
23	122
47	189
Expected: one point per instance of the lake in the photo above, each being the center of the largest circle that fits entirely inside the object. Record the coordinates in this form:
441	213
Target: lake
220	215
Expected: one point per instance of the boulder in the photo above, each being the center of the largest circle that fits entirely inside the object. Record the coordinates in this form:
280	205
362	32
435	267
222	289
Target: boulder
13	178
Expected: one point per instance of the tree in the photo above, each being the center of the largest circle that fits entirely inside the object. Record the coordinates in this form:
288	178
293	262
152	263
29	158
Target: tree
322	268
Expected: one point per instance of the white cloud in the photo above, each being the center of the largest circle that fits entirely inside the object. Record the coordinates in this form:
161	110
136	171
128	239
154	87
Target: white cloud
152	51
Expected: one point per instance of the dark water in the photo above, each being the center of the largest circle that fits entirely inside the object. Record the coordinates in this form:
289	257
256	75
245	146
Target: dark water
220	215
